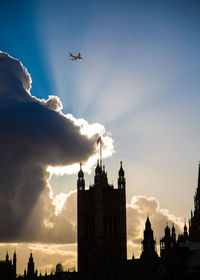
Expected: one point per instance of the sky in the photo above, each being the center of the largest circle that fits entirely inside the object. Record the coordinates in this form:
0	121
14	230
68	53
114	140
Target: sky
138	86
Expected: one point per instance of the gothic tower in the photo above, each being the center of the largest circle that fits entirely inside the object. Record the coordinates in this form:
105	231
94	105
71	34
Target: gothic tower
168	243
101	223
194	228
149	254
31	273
14	263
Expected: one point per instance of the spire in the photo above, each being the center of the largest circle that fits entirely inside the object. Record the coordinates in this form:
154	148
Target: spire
149	250
14	262
100	177
173	235
98	168
14	257
198	186
121	179
121	170
147	224
197	198
99	142
7	257
194	230
167	231
185	234
31	265
81	181
80	173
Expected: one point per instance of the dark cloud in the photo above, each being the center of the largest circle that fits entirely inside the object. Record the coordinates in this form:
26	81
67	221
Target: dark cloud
33	134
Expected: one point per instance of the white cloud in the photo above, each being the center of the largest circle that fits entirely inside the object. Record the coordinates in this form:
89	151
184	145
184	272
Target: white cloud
137	212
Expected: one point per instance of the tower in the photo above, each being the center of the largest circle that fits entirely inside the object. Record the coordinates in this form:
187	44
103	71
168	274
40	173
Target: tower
149	252
14	263
101	223
185	233
166	242
194	228
173	236
31	268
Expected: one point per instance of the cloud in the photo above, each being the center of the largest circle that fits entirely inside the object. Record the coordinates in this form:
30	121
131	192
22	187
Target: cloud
34	134
46	256
53	103
137	212
37	138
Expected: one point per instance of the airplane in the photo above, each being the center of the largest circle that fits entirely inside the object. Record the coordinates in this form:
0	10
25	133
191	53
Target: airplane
75	57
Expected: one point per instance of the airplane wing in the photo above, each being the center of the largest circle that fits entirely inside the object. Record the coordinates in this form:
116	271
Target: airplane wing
75	57
79	56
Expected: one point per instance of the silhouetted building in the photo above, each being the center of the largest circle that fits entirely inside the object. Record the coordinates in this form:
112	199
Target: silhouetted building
194	224
101	223
8	268
102	240
101	212
149	254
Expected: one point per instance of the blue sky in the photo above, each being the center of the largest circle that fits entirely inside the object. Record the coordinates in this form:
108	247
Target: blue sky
139	77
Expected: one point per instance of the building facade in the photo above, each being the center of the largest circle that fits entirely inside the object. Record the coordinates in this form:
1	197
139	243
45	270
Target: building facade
8	268
102	237
101	223
101	234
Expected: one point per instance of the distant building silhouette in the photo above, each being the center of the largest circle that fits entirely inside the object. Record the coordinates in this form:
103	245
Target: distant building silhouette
31	273
102	249
194	224
149	253
8	268
102	240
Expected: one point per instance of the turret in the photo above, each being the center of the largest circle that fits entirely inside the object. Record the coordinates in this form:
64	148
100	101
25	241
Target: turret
167	238
194	229
7	257
148	242
167	241
185	233
81	180
149	251
173	236
30	267
100	177
14	262
121	178
98	174
197	196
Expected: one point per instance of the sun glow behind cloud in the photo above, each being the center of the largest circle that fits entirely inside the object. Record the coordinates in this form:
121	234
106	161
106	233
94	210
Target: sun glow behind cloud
88	130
